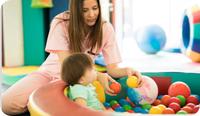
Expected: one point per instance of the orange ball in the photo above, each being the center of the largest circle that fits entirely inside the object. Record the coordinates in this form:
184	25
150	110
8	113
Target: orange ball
187	109
168	111
116	87
156	102
165	100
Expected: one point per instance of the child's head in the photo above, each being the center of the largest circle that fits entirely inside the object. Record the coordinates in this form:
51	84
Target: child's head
78	68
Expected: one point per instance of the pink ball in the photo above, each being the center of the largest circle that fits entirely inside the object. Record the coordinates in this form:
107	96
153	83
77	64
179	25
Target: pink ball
192	99
179	88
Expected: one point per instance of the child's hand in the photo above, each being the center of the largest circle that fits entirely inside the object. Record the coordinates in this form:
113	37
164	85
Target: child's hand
132	72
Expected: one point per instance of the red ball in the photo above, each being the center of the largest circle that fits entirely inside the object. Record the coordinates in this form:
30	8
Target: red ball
187	109
192	99
174	99
165	100
157	102
116	87
179	88
196	108
176	107
168	111
191	105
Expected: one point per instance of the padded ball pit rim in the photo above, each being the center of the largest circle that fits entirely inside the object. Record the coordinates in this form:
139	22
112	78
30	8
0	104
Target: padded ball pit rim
191	26
50	100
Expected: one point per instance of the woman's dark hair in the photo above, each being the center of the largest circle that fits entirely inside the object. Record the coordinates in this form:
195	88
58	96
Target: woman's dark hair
74	67
76	28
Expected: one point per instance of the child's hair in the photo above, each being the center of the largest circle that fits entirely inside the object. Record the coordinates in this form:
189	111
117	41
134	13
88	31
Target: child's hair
74	67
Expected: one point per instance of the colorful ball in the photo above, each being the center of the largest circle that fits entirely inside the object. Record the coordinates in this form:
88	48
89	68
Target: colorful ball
157	102
182	99
165	100
151	39
168	111
176	107
155	110
147	93
174	99
146	106
132	81
192	99
181	112
179	88
187	109
116	87
196	108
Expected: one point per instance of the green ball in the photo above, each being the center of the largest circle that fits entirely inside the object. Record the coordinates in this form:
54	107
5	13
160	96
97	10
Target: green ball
127	107
181	112
113	102
146	106
182	99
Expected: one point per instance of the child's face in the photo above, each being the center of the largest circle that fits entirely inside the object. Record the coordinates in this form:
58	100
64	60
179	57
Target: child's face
89	76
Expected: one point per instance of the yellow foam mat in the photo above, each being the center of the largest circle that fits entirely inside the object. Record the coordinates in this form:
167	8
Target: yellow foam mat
19	70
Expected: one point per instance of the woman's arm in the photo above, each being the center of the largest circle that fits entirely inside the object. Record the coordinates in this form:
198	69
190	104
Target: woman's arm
62	55
117	72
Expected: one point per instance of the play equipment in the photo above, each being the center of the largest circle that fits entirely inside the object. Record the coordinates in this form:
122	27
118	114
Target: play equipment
151	39
41	4
147	93
191	33
12	34
115	87
12	75
132	81
179	88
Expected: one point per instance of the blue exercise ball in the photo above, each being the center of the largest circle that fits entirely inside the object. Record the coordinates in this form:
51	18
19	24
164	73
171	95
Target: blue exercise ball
151	39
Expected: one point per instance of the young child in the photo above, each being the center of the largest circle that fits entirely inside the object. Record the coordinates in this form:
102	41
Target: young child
78	72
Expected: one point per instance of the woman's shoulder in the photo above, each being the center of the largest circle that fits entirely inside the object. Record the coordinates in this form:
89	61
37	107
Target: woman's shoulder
64	16
107	25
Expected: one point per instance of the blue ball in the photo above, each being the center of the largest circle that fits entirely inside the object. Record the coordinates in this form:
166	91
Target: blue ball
151	39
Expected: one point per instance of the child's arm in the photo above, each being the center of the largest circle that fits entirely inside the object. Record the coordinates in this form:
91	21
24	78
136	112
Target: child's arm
81	101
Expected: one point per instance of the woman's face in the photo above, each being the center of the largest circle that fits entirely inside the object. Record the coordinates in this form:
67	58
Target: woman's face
90	12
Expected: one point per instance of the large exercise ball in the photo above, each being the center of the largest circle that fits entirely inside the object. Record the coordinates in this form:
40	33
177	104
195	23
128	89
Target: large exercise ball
151	38
146	94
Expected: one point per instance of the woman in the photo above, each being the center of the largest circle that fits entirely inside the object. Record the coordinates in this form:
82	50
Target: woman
80	30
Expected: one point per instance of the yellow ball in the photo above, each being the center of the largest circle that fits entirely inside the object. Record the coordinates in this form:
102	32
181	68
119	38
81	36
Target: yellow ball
162	107
132	81
155	110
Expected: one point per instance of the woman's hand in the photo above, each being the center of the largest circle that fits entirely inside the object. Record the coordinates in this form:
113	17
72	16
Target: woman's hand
132	72
104	79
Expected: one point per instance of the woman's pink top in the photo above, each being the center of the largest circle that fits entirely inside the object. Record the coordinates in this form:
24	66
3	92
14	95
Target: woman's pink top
58	41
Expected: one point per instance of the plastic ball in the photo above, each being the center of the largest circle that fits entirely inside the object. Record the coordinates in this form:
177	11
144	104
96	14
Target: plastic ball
191	105
187	109
192	99
151	39
168	111
132	81
113	102
106	104
181	112
155	110
179	88
174	99
146	106
119	109
176	107
123	102
156	102
147	93
140	110
115	106
165	100
182	99
116	87
196	108
162	107
127	107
